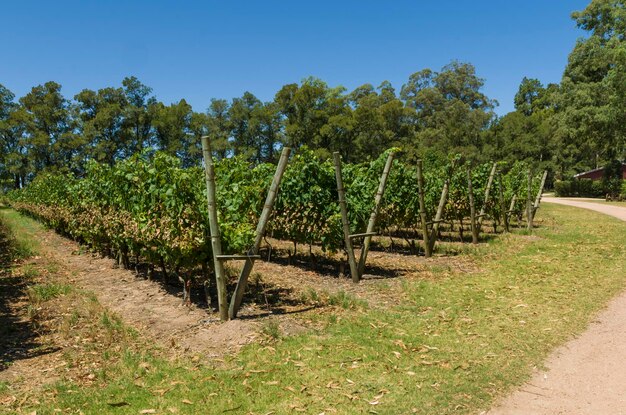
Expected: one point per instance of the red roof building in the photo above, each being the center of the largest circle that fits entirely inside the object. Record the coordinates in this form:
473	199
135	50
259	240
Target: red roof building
596	174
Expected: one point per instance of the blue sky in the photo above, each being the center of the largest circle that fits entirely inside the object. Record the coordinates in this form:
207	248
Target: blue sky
200	50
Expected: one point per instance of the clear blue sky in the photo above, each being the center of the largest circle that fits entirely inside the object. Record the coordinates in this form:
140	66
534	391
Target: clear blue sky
200	50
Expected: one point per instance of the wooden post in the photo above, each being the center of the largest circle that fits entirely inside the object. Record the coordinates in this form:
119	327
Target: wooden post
511	209
529	203
538	198
216	242
481	215
442	204
426	238
344	218
504	214
235	301
470	192
372	222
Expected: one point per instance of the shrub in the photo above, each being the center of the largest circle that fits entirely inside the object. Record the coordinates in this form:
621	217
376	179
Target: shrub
579	188
563	188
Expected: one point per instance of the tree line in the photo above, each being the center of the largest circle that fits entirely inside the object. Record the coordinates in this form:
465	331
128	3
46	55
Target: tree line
568	127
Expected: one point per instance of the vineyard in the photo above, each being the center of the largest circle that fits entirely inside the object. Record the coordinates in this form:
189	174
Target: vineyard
149	210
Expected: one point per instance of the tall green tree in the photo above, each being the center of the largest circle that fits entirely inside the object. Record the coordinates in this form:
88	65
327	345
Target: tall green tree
591	114
306	109
245	128
52	139
219	127
381	121
266	120
526	133
13	154
100	115
138	114
172	127
452	112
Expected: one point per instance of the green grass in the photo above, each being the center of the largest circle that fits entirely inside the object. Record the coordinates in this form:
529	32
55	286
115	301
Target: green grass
459	341
616	203
45	292
346	301
24	232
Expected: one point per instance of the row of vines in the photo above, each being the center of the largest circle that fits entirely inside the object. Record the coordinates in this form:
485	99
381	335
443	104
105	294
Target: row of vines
150	209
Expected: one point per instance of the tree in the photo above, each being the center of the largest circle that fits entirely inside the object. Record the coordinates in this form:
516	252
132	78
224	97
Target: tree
591	116
529	96
101	122
379	121
138	114
451	112
268	123
245	130
306	108
13	156
51	137
219	127
172	127
526	133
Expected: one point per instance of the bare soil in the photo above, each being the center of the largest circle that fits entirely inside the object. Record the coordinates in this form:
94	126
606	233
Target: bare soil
290	289
277	290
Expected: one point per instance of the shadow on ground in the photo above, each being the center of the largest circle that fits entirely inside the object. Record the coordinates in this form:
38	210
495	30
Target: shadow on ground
18	337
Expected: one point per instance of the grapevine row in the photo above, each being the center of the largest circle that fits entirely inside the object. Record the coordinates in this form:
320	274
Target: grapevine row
150	208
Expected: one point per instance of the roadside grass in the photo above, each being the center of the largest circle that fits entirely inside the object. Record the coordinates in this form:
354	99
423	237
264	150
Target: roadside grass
44	292
43	314
25	243
457	340
616	203
602	201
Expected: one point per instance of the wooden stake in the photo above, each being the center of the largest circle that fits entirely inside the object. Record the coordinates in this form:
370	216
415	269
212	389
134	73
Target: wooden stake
529	203
504	214
372	222
481	215
235	302
539	193
470	192
511	209
423	219
442	204
344	218
216	242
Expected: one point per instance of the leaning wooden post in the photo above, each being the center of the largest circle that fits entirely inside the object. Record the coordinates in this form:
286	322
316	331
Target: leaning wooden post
216	242
442	204
470	192
504	214
372	222
512	209
426	238
242	283
529	203
344	218
539	192
481	215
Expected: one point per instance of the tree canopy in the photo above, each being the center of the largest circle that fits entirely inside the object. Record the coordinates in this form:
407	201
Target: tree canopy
569	127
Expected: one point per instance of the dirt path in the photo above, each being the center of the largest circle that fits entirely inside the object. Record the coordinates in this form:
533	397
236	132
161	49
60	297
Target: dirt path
156	310
611	210
586	376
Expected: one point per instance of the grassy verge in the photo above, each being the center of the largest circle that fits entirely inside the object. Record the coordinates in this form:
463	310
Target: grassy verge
49	327
622	204
23	230
460	340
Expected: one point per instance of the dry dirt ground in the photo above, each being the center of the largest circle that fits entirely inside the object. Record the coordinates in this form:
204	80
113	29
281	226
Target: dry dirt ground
586	376
288	289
